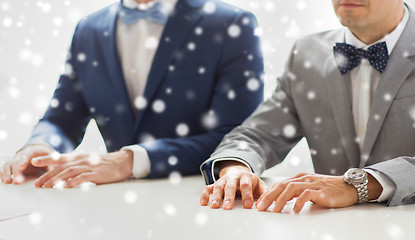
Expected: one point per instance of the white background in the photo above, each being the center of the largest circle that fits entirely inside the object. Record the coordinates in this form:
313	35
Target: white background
35	35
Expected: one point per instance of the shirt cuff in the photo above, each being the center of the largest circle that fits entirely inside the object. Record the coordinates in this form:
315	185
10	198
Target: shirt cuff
141	161
385	182
215	173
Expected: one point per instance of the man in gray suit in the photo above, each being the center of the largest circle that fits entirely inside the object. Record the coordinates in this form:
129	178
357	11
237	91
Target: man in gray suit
351	93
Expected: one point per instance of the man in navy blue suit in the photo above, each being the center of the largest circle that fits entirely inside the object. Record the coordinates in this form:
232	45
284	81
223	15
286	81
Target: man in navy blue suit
165	80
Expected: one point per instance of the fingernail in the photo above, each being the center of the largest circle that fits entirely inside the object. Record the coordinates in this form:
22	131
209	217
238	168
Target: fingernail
214	203
260	206
227	204
247	203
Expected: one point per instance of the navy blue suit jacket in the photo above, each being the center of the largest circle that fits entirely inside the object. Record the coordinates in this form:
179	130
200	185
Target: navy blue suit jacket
93	87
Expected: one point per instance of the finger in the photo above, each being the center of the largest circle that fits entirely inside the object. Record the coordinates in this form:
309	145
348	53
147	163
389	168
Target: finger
260	189
307	195
300	175
217	195
54	159
204	196
246	190
81	178
17	170
269	196
6	174
48	175
293	189
69	172
230	192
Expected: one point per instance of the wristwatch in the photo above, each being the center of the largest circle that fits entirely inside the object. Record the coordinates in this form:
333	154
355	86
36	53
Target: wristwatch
358	178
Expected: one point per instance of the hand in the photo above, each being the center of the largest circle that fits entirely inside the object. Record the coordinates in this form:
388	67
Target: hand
16	170
234	177
324	190
74	169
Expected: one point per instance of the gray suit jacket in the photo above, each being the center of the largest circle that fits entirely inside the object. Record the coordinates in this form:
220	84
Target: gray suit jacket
313	100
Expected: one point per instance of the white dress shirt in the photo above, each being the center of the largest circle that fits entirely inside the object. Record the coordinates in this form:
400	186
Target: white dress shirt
136	45
364	81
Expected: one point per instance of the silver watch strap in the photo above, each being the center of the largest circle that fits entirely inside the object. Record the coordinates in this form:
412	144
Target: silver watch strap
362	192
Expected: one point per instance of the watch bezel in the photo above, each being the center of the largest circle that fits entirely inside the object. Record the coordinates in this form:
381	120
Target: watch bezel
355	176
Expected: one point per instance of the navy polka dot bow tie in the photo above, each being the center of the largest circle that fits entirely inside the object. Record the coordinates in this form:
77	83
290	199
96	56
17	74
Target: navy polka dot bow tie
348	57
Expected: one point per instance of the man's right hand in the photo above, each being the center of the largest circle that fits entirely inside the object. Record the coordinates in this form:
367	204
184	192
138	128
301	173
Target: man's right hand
234	177
16	170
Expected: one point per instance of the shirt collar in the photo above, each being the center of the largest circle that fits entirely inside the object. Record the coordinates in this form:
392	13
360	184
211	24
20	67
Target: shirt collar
144	6
391	39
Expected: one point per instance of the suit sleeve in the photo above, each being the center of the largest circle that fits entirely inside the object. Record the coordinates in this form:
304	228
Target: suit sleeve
239	76
64	123
401	171
266	137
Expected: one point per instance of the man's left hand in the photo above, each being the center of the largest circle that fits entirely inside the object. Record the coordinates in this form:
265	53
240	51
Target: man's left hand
324	190
74	169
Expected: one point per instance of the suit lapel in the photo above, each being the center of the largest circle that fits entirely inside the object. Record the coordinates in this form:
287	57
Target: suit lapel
338	90
177	28
113	65
396	72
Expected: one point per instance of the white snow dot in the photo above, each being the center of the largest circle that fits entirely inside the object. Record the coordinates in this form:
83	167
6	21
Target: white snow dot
57	21
333	151
295	161
140	102
151	42
307	64
376	117
191	46
317	120
301	5
182	129
170	210
201	218
25	118
198	31
250	57
159	106
169	90
253	84
234	31
173	160
36	60
387	97
246	21
210	120
289	130
5	6
81	57
68	70
231	94
395	231
171	68
95	63
147	138
202	70
46	7
130	197
69	106
209	7
35	218
85	186
7	22
242	145
311	95
175	178
3	135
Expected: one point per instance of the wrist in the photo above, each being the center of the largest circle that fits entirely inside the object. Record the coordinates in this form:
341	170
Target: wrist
226	167
127	159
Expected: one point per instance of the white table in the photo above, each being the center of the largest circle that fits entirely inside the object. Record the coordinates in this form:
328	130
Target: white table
166	209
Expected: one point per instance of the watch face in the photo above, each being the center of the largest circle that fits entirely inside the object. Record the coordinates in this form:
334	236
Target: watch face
356	175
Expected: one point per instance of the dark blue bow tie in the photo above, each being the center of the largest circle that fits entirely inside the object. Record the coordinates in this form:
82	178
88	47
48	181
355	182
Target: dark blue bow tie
348	57
157	13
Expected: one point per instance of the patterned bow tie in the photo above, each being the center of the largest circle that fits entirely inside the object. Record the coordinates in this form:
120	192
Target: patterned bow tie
157	13
348	57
